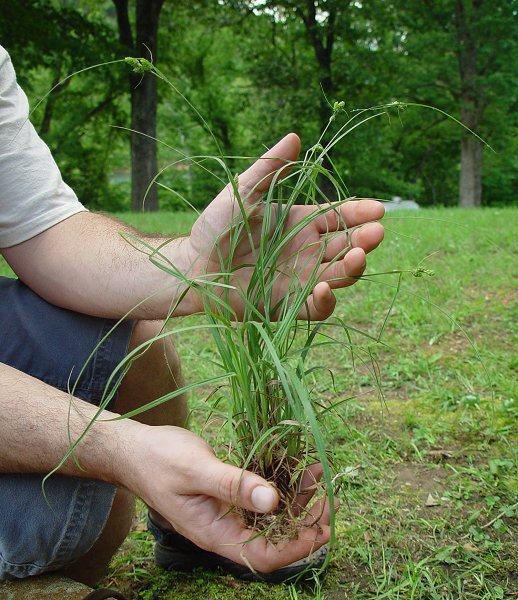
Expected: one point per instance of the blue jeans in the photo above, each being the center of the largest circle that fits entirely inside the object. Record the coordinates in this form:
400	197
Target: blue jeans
39	534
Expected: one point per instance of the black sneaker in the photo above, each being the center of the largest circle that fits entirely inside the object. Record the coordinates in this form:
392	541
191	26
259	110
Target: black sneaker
174	552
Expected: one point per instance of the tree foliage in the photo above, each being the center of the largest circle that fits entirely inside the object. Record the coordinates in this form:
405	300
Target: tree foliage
49	41
256	70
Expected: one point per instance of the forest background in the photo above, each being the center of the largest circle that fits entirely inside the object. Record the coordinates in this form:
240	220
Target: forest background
257	69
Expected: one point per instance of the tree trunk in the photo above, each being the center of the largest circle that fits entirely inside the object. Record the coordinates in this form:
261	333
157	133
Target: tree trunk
322	39
144	165
49	106
470	180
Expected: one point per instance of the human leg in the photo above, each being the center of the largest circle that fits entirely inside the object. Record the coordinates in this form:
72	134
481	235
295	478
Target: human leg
98	532
155	373
41	533
91	567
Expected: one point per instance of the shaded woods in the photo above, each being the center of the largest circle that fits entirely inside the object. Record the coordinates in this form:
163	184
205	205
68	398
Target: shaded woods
256	70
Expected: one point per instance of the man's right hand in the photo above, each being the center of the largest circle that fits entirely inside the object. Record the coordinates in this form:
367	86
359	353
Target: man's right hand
177	474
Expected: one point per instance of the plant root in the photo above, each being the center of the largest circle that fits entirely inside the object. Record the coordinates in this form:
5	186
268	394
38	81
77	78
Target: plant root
282	525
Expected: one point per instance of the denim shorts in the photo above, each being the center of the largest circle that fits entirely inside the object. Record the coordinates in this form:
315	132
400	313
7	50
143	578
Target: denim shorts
39	534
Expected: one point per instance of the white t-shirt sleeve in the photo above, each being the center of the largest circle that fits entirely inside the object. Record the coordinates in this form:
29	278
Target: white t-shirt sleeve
33	196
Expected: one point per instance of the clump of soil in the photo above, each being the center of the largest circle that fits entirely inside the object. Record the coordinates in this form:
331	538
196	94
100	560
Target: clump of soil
282	525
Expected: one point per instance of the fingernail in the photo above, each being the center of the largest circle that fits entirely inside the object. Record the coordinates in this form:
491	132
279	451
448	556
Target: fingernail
263	498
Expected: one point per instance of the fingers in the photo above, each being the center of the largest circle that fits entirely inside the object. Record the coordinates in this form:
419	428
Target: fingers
257	178
349	214
356	212
265	557
319	513
320	304
307	488
236	487
226	535
313	533
342	273
368	237
346	271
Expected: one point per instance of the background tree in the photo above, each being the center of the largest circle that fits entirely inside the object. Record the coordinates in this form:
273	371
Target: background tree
311	53
72	116
143	91
473	41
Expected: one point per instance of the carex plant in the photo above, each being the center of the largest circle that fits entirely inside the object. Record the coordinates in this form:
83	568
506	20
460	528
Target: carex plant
271	417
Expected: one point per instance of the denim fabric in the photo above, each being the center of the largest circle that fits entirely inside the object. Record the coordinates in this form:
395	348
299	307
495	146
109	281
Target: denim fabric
38	533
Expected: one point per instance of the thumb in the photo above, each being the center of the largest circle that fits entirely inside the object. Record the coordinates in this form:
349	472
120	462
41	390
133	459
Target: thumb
238	487
257	178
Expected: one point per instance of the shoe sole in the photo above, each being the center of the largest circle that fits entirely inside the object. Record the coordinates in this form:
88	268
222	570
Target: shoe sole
173	559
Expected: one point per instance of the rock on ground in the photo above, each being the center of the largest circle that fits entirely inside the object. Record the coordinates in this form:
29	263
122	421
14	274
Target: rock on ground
48	587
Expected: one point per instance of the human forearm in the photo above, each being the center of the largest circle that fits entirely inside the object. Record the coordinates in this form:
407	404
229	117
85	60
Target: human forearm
171	469
86	265
35	426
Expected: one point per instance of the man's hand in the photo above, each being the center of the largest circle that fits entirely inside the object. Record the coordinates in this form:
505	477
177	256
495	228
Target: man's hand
174	471
179	477
212	228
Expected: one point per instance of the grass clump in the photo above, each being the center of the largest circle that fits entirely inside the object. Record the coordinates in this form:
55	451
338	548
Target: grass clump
272	419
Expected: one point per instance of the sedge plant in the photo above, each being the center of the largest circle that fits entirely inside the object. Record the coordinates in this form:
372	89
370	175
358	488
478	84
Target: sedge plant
272	418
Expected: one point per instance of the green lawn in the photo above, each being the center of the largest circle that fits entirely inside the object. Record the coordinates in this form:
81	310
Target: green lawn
428	436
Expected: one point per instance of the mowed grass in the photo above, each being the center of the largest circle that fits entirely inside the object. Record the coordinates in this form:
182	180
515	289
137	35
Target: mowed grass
426	432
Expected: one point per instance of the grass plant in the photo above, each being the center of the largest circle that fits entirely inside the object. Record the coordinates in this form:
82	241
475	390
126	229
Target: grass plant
272	417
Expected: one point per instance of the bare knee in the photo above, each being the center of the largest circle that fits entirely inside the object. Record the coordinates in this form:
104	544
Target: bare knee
160	356
155	372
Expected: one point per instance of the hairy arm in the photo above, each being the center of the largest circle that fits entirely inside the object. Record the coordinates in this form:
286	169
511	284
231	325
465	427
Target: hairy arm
36	415
84	264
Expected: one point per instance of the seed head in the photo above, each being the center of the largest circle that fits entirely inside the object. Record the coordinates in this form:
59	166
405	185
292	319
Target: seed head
139	65
420	271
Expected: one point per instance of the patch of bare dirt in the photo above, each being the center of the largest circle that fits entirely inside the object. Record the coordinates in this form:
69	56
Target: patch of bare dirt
423	483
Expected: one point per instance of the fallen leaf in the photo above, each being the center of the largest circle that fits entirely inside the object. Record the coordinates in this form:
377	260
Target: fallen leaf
431	501
439	455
